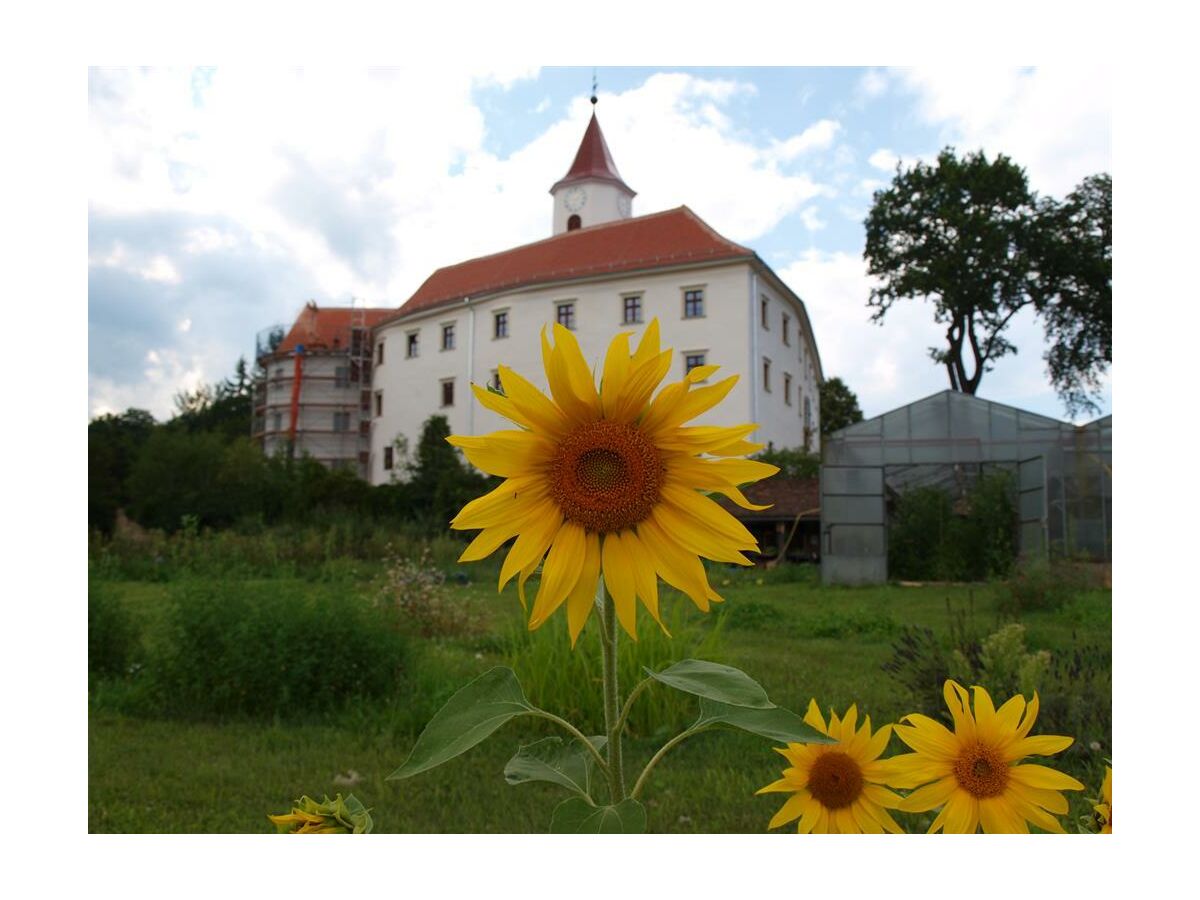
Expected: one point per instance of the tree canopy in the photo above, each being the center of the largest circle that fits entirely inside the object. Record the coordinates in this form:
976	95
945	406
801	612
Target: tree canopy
839	406
971	236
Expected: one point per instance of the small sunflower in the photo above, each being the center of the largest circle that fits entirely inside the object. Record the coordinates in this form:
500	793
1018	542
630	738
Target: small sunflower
974	772
837	788
1103	809
609	481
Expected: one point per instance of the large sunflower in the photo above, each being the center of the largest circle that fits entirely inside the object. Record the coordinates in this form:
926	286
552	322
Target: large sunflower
976	779
837	788
608	481
1103	810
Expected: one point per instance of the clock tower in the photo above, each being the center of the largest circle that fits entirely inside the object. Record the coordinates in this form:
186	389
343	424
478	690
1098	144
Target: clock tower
592	191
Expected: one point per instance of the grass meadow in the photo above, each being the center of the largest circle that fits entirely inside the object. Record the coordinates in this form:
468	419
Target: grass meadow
157	764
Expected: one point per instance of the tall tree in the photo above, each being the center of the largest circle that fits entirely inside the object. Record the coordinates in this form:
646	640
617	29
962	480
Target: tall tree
839	406
972	237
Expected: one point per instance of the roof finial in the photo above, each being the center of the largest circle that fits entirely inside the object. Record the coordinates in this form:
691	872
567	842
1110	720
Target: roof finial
594	98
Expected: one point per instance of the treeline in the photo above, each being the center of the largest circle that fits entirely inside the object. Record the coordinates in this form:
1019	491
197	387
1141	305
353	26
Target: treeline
201	469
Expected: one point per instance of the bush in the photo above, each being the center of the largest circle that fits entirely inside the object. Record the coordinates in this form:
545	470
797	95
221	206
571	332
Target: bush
112	636
1041	585
838	624
415	592
928	540
263	651
752	615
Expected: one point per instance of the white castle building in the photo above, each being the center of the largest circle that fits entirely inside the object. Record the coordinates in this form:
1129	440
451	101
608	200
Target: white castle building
602	271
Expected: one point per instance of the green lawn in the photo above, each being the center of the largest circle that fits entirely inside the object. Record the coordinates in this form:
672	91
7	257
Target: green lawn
797	639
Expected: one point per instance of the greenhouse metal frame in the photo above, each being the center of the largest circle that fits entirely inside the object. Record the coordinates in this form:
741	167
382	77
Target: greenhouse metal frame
1062	478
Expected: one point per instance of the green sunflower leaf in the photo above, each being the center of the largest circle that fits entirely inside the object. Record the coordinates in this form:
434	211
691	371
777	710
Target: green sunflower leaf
550	759
713	681
468	718
776	723
577	816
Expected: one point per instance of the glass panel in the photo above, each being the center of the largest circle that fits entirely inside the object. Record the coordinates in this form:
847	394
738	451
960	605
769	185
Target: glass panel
852	481
857	540
852	509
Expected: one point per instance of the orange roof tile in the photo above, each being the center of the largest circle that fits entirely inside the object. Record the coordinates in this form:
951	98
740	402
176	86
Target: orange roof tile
674	237
593	160
328	328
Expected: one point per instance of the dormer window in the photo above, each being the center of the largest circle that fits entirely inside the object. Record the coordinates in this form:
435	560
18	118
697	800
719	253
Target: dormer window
574	222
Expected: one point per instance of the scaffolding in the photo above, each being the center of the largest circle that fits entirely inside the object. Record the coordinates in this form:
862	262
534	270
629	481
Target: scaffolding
1062	476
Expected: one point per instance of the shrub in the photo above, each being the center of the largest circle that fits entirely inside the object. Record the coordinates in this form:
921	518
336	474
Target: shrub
112	636
1041	585
928	540
752	615
415	592
263	651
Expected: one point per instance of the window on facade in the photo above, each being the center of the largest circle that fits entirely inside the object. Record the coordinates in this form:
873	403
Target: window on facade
279	371
496	380
693	304
448	337
787	388
379	354
632	313
691	361
379	403
448	392
341	421
389	457
565	315
276	421
767	375
787	330
762	306
574	222
341	376
411	345
500	324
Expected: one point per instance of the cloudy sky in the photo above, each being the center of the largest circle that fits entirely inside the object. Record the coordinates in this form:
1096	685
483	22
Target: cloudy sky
221	200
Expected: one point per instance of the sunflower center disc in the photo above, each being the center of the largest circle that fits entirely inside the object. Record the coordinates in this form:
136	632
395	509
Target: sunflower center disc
606	476
835	780
981	772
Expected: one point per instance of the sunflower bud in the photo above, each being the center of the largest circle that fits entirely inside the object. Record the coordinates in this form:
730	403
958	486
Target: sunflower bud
336	816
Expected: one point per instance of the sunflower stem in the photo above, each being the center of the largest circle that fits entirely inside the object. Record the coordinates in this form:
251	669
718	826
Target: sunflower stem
612	718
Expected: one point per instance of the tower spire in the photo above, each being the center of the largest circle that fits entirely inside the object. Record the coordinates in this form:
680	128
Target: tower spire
595	99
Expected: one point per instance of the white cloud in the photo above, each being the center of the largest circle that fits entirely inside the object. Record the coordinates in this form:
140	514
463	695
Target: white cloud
366	181
884	160
888	365
1055	122
185	326
874	83
810	218
818	136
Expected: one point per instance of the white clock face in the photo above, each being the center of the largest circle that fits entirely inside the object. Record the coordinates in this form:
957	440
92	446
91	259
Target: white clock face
623	206
574	199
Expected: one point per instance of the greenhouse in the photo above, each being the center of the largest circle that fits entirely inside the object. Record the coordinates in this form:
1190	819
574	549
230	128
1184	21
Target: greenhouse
1060	478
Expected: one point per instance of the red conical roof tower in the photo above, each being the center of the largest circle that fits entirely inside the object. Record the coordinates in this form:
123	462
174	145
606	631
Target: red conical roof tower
593	161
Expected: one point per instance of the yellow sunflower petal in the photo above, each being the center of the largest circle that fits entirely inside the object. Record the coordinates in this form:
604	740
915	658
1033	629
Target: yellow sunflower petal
962	814
647	348
621	582
616	373
525	576
582	382
583	596
642	381
505	453
960	709
1040	745
814	718
533	404
677	567
644	575
929	797
997	816
488	541
498	403
708	514
1043	777
695	403
814	820
558	376
1031	712
695	538
929	737
985	717
864	820
532	543
700	373
515	498
783	785
790	810
563	565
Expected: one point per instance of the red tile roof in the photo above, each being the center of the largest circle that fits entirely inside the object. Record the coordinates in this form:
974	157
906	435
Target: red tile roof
674	237
789	497
593	160
329	328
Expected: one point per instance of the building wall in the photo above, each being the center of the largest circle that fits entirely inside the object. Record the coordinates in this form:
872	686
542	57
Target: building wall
332	425
410	388
602	203
794	358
